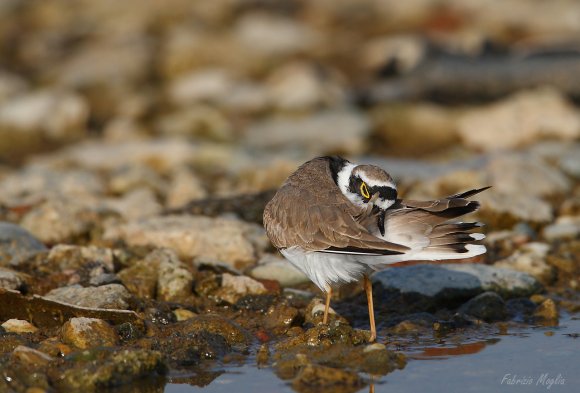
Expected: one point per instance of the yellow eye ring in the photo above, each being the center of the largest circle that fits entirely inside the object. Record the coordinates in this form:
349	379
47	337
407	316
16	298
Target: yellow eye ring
364	191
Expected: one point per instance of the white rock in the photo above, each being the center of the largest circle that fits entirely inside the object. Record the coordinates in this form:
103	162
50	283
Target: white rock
55	115
531	259
521	207
243	285
520	120
525	174
9	279
209	85
566	227
184	187
19	326
229	240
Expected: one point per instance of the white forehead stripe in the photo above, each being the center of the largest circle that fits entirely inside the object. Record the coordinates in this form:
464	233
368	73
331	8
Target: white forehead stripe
375	183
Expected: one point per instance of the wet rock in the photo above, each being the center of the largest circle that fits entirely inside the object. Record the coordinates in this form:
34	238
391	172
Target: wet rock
503	210
9	279
59	220
234	335
326	132
141	278
41	116
86	333
426	286
98	370
487	306
19	326
235	287
531	259
525	174
193	236
547	310
324	336
271	267
33	184
316	378
500	125
564	228
17	244
54	347
33	357
314	313
281	317
111	296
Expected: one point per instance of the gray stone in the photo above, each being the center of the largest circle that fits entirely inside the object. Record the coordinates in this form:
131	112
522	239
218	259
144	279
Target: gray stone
456	281
488	306
17	244
112	296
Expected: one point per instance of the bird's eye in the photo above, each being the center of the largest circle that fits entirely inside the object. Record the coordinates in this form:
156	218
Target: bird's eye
364	190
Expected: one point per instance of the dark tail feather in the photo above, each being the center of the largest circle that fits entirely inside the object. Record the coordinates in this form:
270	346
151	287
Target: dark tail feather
460	227
469	193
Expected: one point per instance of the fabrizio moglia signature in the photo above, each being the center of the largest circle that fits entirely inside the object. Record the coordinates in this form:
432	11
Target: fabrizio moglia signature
544	379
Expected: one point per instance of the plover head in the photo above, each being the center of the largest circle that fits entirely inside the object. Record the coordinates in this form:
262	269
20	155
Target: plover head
362	184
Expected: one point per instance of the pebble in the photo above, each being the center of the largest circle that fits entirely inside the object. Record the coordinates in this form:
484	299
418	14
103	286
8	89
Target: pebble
453	281
235	287
34	184
564	228
547	310
531	259
59	220
17	244
271	267
330	131
31	357
520	120
63	257
19	326
503	210
184	187
228	240
41	115
86	333
10	279
175	281
525	174
110	296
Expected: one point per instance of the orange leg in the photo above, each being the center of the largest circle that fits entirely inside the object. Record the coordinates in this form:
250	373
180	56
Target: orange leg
327	304
369	290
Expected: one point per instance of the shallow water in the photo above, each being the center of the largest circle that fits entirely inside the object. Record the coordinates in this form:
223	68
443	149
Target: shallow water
533	359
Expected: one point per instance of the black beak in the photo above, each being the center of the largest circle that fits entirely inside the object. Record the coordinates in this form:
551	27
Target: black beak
381	222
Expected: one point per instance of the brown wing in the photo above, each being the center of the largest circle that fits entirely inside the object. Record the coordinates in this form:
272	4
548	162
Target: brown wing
309	211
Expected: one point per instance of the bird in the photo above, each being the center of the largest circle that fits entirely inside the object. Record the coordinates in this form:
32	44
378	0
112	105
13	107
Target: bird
339	222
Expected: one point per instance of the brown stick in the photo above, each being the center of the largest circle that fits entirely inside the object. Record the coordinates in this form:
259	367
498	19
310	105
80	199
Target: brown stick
369	290
327	304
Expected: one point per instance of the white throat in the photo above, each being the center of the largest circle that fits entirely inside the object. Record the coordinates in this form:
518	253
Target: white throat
343	180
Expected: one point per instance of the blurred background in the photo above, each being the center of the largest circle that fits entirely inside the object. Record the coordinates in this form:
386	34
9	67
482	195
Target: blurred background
142	106
115	113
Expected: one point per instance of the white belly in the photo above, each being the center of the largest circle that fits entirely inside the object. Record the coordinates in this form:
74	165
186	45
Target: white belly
325	269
